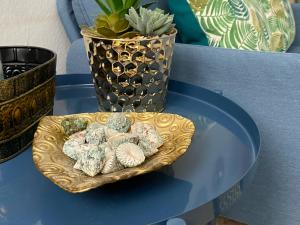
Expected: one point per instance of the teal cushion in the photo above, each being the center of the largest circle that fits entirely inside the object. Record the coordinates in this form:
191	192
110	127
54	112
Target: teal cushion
187	24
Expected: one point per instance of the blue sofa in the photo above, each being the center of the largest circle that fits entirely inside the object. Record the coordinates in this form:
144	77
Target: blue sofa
263	83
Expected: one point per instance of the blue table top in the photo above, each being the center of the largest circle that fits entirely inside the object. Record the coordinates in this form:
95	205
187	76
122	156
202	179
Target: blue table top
222	154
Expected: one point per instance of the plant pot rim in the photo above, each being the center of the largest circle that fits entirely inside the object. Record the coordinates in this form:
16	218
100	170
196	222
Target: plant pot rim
85	33
53	58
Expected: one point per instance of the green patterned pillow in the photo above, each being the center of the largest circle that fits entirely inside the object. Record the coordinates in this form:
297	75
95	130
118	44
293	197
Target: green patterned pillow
262	25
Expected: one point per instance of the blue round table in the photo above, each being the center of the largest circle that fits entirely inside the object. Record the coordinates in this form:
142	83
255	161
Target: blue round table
207	180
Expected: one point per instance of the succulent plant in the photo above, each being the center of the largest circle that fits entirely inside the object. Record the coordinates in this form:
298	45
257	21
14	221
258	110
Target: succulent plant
112	23
150	22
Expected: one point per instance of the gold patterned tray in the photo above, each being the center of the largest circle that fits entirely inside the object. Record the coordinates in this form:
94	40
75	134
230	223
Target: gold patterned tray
49	138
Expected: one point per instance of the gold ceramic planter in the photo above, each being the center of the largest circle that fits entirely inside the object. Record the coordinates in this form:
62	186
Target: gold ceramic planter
130	74
24	98
50	160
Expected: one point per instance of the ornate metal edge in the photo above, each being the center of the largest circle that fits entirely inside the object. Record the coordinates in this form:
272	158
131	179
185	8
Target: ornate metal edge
32	129
12	81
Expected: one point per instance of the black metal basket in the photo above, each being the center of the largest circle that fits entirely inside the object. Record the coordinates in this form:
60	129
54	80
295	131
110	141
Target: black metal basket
26	95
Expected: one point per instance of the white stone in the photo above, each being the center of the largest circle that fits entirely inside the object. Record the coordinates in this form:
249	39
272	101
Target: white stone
130	155
91	161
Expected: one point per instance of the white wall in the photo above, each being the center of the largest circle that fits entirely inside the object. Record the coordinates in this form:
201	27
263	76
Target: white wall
33	22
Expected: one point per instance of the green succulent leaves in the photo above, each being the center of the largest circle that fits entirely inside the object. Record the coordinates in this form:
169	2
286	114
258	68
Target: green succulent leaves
150	22
112	25
116	6
120	18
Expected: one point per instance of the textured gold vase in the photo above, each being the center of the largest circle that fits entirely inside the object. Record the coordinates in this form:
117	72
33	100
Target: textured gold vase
130	74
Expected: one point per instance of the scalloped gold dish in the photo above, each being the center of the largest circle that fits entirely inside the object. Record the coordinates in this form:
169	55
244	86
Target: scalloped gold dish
49	159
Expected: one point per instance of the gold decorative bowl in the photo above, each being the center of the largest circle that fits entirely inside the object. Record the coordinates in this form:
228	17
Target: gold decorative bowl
49	138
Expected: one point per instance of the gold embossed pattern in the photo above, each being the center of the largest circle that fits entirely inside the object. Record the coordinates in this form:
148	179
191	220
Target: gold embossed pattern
49	138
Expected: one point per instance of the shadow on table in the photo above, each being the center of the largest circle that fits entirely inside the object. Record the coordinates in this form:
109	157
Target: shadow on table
142	199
